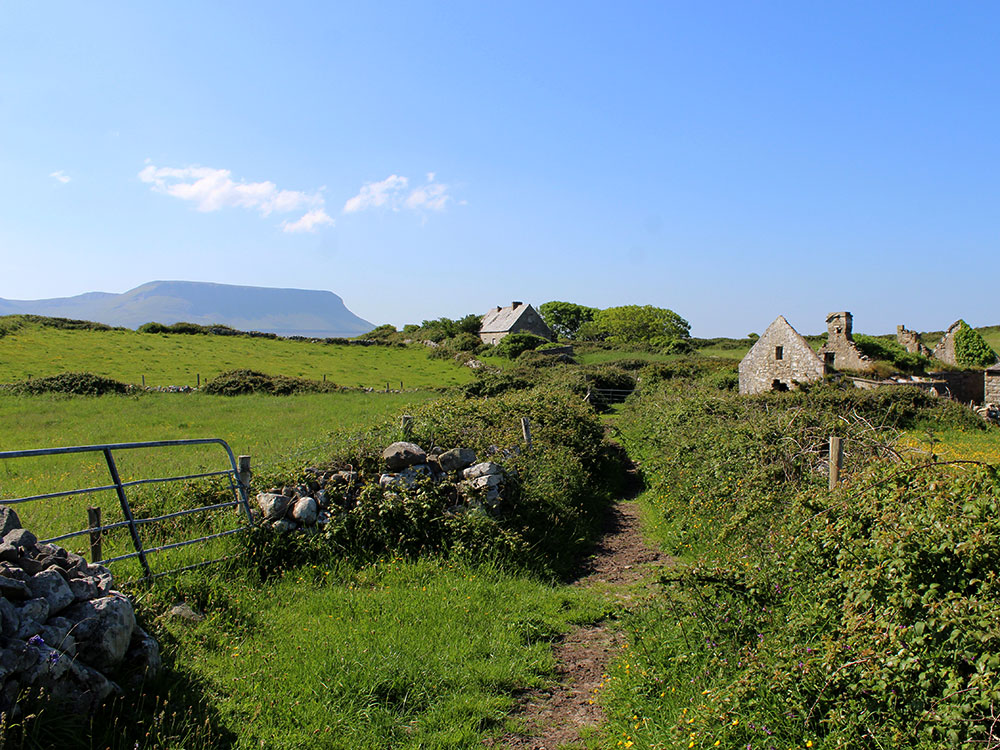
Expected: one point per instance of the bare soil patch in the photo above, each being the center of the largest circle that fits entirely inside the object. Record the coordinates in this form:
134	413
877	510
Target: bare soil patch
554	717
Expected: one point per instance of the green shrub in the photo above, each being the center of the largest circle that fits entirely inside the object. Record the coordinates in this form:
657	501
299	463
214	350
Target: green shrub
76	383
971	349
891	351
513	344
241	382
491	383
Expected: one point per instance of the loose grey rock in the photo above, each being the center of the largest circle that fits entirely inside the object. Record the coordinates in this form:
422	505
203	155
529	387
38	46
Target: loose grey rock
284	525
8	520
13	589
84	587
456	459
184	611
21	538
482	469
142	658
51	586
9	621
75	686
272	506
31	617
305	511
348	477
323	499
58	633
402	454
8	552
104	629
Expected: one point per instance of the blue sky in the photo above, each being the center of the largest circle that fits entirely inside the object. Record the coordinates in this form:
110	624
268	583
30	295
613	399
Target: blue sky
730	161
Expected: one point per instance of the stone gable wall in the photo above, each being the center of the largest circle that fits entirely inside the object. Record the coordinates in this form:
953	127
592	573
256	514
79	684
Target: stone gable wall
840	346
760	369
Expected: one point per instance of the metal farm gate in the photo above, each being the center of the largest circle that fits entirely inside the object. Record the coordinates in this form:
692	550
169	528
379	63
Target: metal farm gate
238	476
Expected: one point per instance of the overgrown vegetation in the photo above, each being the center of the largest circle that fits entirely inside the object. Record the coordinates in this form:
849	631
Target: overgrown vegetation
971	348
76	383
862	618
243	382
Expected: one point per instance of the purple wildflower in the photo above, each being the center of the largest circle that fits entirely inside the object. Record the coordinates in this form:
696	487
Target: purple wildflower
36	640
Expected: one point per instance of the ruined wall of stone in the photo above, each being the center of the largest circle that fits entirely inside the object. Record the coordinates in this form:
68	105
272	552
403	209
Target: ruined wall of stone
840	346
760	368
963	386
945	349
991	387
910	340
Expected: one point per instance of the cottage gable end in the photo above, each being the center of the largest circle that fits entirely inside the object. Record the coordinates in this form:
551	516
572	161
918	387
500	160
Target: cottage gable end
780	360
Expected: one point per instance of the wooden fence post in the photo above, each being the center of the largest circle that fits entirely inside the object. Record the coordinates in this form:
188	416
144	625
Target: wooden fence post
245	473
94	524
199	380
526	431
143	381
836	460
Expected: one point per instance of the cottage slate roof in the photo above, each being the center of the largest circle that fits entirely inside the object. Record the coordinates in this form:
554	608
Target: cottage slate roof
500	319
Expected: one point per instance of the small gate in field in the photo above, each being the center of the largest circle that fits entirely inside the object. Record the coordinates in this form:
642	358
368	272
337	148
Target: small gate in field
607	396
238	476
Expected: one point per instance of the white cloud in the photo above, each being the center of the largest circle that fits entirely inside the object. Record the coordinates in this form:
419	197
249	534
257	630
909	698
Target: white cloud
308	223
214	189
392	192
60	176
375	194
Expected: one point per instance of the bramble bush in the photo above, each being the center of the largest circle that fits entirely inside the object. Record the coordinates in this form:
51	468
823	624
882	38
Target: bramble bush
860	618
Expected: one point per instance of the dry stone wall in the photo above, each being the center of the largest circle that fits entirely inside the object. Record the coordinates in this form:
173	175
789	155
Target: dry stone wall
63	626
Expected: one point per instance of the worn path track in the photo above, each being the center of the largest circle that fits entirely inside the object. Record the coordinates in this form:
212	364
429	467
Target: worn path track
554	717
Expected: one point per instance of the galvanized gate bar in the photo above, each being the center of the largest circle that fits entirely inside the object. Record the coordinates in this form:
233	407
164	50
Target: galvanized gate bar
127	511
237	487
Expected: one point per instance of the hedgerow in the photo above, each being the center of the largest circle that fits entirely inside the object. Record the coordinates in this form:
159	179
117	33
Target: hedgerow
799	617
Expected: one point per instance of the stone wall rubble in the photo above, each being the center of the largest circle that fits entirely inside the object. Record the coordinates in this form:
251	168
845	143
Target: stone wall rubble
65	629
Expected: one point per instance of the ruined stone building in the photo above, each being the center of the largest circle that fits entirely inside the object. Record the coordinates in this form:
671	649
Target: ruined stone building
518	318
910	340
840	352
991	386
945	349
779	361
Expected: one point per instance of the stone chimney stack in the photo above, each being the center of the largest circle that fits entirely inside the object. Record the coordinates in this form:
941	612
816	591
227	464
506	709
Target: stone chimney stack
839	325
515	304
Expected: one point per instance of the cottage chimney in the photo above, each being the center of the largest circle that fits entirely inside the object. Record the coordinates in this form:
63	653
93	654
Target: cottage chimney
839	325
514	305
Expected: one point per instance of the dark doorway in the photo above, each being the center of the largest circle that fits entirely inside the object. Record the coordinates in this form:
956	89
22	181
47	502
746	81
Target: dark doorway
777	385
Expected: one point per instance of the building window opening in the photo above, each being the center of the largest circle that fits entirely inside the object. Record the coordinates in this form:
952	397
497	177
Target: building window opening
777	385
779	352
829	357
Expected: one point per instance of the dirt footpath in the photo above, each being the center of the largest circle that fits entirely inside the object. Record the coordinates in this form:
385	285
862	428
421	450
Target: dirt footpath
554	717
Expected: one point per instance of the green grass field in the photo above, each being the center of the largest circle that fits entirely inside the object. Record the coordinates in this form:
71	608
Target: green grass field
178	359
278	432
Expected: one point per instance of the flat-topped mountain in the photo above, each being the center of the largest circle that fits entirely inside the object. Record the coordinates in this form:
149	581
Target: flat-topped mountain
286	312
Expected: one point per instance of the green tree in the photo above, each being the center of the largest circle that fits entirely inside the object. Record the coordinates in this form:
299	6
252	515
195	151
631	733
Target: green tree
642	324
565	318
513	344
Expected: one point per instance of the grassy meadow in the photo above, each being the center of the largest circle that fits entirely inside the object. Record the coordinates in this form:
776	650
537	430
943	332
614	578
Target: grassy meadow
179	359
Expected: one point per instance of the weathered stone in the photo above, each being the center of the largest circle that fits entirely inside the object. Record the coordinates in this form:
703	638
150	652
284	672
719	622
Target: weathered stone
184	611
58	633
273	506
76	687
51	586
142	658
8	520
840	351
323	499
10	570
104	629
305	511
779	361
20	538
12	589
456	459
400	455
284	525
348	477
482	469
9	621
8	552
31	617
486	481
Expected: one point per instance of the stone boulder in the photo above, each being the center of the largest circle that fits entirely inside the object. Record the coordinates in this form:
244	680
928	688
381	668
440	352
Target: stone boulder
104	629
305	511
400	455
456	459
273	505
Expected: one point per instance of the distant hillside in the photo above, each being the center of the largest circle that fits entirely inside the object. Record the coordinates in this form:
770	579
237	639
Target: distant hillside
286	312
